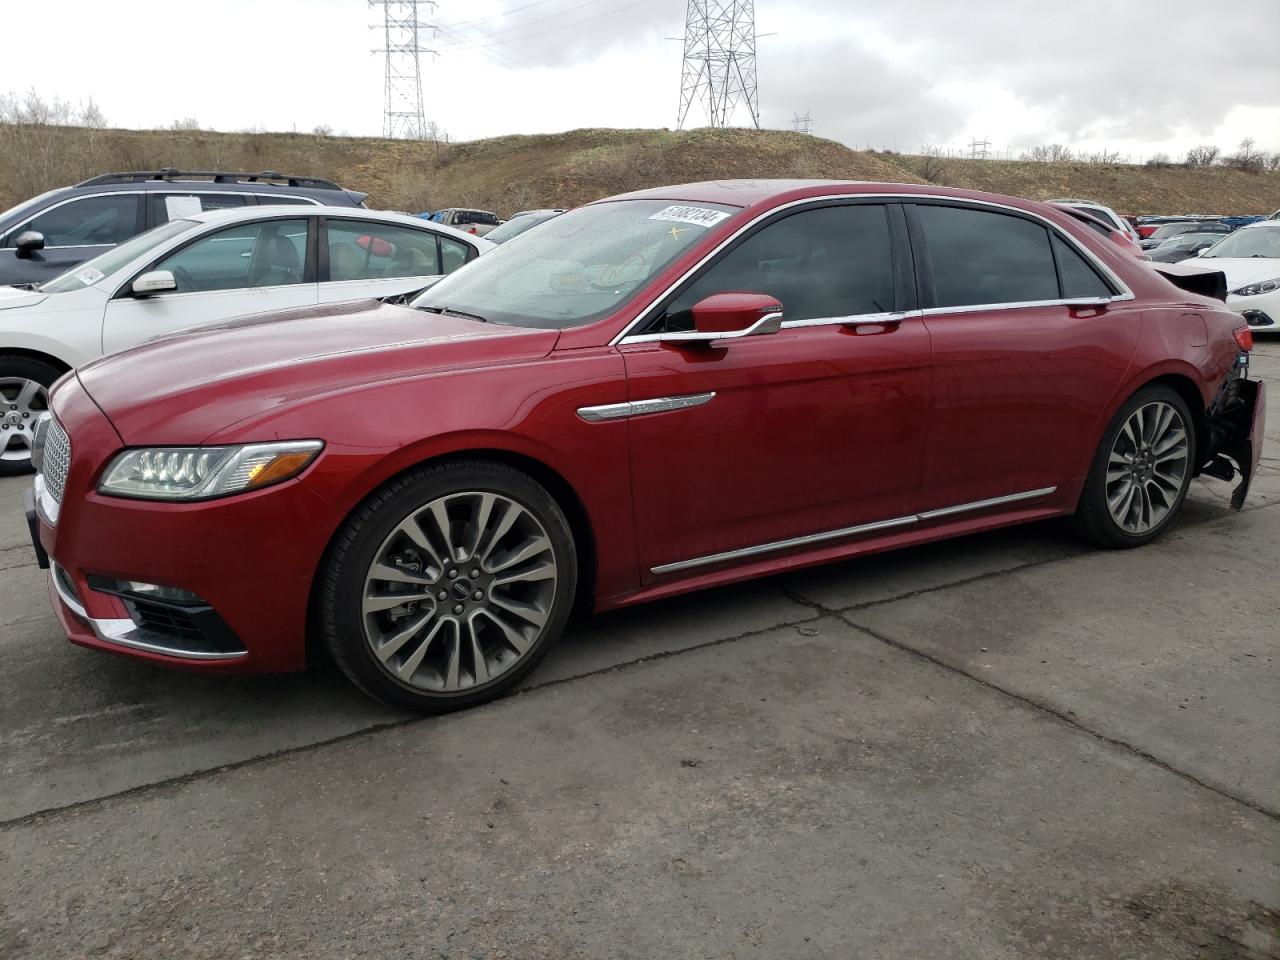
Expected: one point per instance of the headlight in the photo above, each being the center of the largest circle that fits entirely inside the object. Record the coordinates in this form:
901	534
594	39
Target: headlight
1255	289
199	473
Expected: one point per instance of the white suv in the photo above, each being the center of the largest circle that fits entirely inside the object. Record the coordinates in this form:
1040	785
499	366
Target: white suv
199	270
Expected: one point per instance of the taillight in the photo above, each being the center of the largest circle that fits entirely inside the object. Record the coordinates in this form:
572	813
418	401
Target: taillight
1244	337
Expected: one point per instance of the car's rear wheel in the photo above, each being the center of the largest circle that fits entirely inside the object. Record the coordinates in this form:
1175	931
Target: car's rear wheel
1141	472
24	399
448	585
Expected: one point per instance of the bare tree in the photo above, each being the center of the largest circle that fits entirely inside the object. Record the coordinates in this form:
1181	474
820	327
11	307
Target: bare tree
185	124
1205	155
1159	161
1247	159
933	165
1049	153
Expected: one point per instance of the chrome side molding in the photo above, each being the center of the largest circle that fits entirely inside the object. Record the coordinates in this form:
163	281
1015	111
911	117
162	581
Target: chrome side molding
638	408
812	538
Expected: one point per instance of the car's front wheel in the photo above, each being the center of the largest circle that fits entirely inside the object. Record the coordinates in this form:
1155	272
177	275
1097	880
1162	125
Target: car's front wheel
24	399
448	585
1141	471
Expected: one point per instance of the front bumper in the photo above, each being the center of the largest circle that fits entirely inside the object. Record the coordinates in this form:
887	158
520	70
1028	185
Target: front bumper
250	559
1261	312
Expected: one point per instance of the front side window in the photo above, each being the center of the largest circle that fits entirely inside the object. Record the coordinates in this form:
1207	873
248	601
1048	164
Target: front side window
579	267
88	221
366	250
981	257
248	255
175	206
829	262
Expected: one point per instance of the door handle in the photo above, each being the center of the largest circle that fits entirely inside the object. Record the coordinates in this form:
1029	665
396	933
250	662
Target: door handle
877	320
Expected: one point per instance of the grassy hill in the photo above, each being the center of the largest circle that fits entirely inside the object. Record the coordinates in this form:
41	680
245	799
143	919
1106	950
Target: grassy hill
509	173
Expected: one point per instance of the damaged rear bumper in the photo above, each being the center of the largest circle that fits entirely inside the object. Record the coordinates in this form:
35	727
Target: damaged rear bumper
1236	433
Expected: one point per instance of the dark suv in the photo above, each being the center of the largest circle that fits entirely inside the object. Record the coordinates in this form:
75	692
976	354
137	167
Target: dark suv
50	234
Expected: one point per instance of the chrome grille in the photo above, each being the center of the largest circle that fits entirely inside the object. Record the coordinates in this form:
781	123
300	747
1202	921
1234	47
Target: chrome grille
57	459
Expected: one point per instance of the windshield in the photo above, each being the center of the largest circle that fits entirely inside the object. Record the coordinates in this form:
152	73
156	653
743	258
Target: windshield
16	212
1172	230
578	267
1248	242
91	271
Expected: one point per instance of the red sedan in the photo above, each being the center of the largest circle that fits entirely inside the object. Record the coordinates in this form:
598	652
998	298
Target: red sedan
651	394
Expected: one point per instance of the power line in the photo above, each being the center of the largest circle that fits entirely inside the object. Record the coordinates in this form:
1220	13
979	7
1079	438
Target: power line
719	70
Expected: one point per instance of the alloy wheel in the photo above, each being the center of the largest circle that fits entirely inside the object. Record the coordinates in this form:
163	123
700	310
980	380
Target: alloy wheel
1147	467
22	403
459	592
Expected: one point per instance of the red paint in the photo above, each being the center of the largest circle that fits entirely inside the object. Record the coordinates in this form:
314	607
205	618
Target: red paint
811	429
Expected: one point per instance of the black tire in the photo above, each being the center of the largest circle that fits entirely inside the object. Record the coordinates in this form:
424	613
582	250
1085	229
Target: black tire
1093	519
28	369
343	580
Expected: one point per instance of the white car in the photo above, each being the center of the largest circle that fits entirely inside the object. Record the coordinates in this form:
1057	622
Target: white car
200	270
1250	258
1103	213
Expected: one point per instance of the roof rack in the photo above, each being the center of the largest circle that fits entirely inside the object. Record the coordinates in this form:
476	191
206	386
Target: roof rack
217	176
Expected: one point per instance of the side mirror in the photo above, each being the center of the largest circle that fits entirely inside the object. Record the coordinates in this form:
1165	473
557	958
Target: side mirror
28	242
154	281
731	316
1202	251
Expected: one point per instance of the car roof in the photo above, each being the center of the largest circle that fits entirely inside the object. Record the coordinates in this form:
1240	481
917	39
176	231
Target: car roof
748	193
264	211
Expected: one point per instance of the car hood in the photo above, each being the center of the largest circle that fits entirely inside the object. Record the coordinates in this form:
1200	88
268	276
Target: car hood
183	388
17	297
1239	270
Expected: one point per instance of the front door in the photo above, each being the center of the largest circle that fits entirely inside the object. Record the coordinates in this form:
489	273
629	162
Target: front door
814	432
245	269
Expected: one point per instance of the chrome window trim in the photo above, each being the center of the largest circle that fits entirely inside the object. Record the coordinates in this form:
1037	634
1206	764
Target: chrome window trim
640	408
856	320
812	538
646	314
123	632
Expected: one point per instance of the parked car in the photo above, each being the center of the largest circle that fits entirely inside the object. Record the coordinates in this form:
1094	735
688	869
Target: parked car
1166	230
1121	238
1149	225
1103	213
1182	246
651	394
519	223
51	233
1250	259
475	222
202	269
1235	223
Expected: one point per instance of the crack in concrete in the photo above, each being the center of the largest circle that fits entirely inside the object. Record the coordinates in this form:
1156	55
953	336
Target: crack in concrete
370	731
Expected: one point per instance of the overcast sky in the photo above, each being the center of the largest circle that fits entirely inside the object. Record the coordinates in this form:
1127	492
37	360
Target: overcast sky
1137	77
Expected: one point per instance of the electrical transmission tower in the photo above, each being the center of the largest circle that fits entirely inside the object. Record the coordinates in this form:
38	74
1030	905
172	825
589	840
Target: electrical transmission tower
719	70
978	148
802	124
403	33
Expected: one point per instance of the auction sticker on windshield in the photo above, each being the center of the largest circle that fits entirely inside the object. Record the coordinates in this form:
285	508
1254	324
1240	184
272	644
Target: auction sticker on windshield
89	276
698	216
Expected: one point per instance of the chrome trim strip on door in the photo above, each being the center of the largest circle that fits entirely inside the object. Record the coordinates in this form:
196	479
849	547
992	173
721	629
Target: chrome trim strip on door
983	504
647	314
639	408
848	531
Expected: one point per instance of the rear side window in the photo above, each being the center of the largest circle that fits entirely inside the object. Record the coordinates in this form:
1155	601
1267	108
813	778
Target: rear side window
176	206
88	221
367	250
981	257
1078	278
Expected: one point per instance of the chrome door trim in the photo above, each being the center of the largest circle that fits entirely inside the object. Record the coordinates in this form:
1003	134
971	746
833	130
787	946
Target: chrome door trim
639	408
983	504
906	521
647	313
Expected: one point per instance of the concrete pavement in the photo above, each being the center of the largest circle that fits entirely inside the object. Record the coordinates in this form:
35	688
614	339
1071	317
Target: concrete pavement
1002	746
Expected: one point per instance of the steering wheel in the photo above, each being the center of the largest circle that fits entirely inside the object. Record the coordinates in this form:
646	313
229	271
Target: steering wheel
615	273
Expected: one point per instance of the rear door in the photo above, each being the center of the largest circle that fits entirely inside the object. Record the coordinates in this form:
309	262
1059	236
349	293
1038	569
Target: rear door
1031	337
368	258
815	432
242	269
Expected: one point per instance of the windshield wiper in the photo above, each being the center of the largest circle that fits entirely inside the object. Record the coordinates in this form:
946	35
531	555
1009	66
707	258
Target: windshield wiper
458	313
